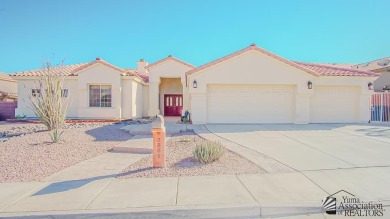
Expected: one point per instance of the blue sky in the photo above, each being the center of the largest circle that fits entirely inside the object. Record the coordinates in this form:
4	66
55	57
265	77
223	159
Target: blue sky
122	32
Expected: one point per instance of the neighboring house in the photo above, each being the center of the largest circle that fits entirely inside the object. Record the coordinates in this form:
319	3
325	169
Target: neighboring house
8	88
381	66
249	86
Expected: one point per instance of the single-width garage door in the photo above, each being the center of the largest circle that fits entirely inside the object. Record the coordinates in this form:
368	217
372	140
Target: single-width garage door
333	104
250	104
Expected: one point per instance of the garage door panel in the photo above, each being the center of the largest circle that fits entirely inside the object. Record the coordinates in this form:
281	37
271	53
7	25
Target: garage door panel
333	104
249	104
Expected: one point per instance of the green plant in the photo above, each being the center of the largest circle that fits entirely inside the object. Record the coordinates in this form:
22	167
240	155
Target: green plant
208	151
185	139
185	121
56	135
20	116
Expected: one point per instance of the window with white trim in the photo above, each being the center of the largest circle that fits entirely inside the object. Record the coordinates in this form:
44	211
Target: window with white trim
100	95
35	92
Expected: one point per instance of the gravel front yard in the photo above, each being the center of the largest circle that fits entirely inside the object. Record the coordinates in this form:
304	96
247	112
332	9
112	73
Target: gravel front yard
33	157
180	162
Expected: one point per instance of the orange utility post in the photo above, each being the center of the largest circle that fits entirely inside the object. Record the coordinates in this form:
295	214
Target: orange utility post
158	131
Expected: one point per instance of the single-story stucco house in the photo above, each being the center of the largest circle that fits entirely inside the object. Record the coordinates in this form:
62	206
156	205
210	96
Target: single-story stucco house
251	85
381	66
8	88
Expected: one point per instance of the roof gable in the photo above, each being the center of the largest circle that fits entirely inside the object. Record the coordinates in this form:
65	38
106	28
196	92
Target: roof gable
168	59
252	47
97	61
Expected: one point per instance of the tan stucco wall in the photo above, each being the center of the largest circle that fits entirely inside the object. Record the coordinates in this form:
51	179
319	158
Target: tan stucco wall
145	100
137	100
99	74
127	99
169	86
248	68
8	86
383	79
25	86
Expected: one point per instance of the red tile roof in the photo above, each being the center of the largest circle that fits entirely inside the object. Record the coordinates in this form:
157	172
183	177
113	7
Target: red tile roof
169	58
10	95
328	70
73	70
311	68
64	70
6	77
339	65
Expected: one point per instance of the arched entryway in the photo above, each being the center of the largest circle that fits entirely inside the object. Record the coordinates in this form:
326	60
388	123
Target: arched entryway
171	96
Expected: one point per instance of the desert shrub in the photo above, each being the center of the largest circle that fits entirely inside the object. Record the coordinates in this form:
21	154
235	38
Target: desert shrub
48	103
56	135
208	151
20	116
186	139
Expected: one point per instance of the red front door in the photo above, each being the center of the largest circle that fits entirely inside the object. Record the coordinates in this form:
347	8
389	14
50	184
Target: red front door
173	104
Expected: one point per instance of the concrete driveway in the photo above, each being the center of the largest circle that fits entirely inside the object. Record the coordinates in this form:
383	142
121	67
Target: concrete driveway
314	146
332	157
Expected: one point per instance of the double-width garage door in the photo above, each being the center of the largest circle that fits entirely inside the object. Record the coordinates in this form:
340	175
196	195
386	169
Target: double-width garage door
250	103
334	104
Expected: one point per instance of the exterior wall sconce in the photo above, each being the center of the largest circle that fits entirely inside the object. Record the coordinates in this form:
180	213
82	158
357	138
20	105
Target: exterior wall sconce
194	84
309	85
370	86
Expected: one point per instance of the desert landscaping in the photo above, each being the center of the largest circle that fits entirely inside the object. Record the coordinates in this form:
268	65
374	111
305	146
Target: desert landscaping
181	162
30	157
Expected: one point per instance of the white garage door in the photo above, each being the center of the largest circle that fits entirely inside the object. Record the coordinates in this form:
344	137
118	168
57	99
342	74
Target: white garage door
250	104
333	104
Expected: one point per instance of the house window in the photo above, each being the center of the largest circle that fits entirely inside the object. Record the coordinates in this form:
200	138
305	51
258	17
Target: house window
64	92
35	92
100	95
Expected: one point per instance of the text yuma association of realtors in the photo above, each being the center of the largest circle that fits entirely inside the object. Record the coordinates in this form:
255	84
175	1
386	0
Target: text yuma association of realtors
352	206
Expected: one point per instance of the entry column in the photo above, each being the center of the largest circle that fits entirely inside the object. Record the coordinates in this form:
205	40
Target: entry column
186	95
154	98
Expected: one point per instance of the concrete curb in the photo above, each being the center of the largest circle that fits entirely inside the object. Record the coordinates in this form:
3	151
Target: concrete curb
244	210
209	211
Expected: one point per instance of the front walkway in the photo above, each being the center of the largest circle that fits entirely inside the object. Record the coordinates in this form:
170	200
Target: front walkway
171	124
106	165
